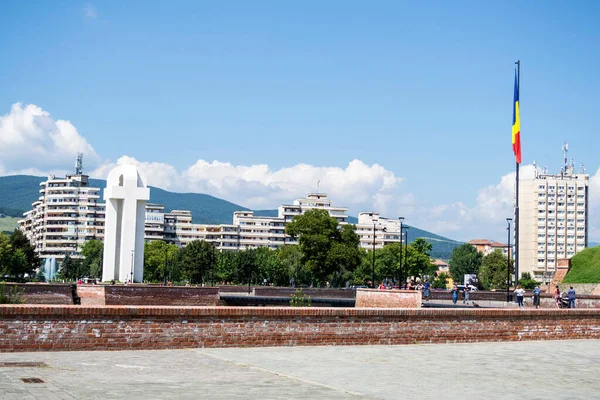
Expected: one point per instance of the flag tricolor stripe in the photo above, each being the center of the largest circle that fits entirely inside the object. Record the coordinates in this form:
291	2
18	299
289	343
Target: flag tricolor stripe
516	126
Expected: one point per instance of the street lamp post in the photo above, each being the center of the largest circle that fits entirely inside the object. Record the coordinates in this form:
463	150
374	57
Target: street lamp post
406	243
508	297
400	269
373	283
132	254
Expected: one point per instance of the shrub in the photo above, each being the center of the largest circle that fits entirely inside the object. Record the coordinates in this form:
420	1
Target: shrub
14	295
299	299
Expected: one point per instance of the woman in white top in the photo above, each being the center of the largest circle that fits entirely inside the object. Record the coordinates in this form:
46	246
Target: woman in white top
520	292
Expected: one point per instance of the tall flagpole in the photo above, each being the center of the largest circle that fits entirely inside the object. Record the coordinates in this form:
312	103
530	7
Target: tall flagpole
517	221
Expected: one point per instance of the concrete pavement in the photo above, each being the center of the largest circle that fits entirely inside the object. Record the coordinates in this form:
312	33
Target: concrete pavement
528	370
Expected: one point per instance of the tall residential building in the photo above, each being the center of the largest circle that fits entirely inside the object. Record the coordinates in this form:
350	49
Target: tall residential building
66	215
553	220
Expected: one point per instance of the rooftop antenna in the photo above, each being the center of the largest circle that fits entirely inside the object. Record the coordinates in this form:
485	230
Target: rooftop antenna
535	168
565	149
545	170
582	169
318	185
572	162
79	164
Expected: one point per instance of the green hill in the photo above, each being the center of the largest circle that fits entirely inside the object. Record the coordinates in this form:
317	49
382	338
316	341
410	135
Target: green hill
17	192
8	224
585	267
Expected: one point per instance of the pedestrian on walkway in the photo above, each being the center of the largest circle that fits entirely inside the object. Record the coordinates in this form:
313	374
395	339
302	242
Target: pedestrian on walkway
466	295
557	296
454	294
426	287
536	297
571	295
520	292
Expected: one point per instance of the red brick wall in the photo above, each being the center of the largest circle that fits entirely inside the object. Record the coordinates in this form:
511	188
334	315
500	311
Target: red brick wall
45	293
312	292
31	328
120	295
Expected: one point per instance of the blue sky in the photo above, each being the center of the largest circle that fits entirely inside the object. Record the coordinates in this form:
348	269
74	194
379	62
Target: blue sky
423	89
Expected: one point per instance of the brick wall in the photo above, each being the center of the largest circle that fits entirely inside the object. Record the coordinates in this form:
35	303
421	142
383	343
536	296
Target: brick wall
45	293
312	292
33	328
161	295
376	298
91	295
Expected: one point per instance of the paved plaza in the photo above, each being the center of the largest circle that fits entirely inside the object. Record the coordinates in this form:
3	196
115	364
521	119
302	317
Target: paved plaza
524	370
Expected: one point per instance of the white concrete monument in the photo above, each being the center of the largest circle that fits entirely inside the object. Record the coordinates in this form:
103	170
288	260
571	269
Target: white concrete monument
125	195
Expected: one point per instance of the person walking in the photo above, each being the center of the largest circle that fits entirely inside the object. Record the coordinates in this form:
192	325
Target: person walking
426	287
536	297
557	296
571	296
466	295
454	294
520	292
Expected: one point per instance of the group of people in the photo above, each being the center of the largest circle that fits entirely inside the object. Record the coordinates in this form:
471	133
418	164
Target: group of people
456	292
570	297
520	295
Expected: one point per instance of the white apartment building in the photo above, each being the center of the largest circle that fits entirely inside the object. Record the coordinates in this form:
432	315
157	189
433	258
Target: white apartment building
248	231
376	231
313	200
553	221
65	216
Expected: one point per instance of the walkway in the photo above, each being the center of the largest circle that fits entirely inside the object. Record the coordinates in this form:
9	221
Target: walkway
522	370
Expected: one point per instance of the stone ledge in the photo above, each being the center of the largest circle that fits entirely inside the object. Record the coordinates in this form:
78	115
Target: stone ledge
92	311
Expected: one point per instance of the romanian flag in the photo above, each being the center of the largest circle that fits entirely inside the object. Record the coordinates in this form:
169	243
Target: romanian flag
516	125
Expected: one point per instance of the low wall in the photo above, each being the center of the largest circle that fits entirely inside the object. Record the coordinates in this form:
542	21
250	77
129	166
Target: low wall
312	292
91	295
376	298
44	293
40	328
133	295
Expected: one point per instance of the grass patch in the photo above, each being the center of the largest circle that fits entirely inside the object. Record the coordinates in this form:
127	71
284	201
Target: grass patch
8	224
585	267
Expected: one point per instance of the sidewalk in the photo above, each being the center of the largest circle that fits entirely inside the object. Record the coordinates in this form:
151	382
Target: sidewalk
509	370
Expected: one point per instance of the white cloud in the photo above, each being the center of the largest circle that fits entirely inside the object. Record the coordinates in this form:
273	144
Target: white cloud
31	141
358	186
89	11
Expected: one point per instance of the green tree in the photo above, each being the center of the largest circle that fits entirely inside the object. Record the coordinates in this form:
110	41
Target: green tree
527	282
492	273
160	261
226	268
19	241
197	260
387	262
417	260
290	258
5	254
70	269
92	252
465	260
326	248
246	266
440	281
